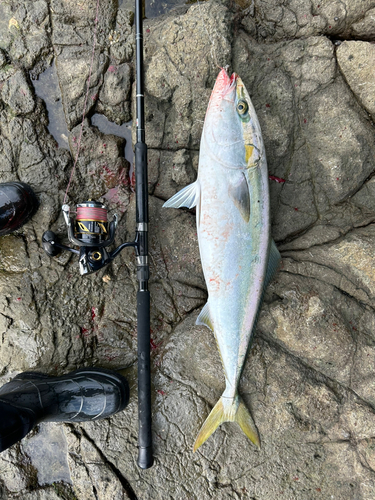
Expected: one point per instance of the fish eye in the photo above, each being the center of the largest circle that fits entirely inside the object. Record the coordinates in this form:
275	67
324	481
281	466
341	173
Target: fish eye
242	107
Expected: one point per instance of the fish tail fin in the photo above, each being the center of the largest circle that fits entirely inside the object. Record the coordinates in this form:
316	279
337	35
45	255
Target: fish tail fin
228	410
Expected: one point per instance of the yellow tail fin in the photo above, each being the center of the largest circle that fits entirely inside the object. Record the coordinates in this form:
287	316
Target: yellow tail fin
228	410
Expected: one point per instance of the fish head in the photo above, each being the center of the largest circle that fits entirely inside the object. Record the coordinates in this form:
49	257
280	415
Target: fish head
231	129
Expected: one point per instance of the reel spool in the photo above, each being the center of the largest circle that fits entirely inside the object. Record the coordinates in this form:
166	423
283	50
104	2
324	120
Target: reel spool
91	224
91	232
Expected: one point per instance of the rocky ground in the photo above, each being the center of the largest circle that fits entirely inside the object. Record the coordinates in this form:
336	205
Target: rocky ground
309	379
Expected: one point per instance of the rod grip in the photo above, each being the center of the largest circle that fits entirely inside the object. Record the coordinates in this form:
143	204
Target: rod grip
145	457
141	181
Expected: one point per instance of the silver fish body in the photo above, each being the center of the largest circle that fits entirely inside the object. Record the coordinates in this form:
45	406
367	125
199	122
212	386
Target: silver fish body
233	227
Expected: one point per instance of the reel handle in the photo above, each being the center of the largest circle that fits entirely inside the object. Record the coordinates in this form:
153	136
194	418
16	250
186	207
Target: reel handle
52	246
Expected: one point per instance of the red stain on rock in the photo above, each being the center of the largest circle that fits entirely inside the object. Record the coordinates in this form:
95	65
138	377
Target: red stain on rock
153	345
85	332
276	179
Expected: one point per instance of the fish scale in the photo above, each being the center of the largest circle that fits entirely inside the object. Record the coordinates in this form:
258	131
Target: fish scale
238	255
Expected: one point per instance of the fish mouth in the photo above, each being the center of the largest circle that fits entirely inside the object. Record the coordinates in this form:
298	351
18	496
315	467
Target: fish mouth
224	83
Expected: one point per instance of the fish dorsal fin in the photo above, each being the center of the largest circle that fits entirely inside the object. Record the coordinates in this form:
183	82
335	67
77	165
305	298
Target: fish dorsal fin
204	318
240	194
187	197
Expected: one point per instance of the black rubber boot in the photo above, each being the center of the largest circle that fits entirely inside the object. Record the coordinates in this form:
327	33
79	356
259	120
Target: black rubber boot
83	395
18	204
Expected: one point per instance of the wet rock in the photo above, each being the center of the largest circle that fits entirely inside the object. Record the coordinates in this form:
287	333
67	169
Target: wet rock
176	171
345	263
308	379
14	476
47	88
13	256
25	31
182	81
3	59
101	165
92	476
74	27
357	61
296	19
365	197
308	77
365	28
73	80
114	96
121	39
17	94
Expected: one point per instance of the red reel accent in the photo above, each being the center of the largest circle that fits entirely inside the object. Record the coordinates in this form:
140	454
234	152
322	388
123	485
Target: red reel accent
92	213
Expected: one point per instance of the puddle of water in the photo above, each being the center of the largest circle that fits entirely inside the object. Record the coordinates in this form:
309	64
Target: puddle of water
124	130
48	452
47	88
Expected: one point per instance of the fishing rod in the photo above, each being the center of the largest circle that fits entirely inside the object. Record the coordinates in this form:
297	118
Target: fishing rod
145	458
91	231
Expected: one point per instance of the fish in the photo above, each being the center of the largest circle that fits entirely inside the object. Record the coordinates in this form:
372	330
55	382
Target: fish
238	255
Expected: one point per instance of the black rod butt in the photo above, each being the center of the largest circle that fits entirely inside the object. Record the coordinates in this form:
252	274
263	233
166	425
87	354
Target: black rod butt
145	458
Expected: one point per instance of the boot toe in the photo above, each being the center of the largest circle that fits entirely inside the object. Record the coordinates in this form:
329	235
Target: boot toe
92	394
84	395
18	203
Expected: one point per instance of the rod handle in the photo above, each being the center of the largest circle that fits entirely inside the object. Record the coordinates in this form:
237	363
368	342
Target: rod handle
141	182
145	458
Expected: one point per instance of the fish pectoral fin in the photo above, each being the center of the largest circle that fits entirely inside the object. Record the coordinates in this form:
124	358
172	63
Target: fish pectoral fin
187	197
240	195
228	410
204	318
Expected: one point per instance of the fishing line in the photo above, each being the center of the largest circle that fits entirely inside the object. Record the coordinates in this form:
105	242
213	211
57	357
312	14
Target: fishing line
213	50
85	103
98	214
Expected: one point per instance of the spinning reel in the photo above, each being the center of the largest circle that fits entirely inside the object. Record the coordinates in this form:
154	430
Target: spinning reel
91	232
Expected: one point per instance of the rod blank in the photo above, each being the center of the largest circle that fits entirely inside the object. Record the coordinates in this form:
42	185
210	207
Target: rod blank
145	455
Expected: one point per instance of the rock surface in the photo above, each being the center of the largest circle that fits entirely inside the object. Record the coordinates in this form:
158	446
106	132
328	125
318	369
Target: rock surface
309	379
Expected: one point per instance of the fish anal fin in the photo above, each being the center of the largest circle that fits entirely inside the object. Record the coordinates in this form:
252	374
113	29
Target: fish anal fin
188	197
228	410
204	318
240	195
274	258
273	263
